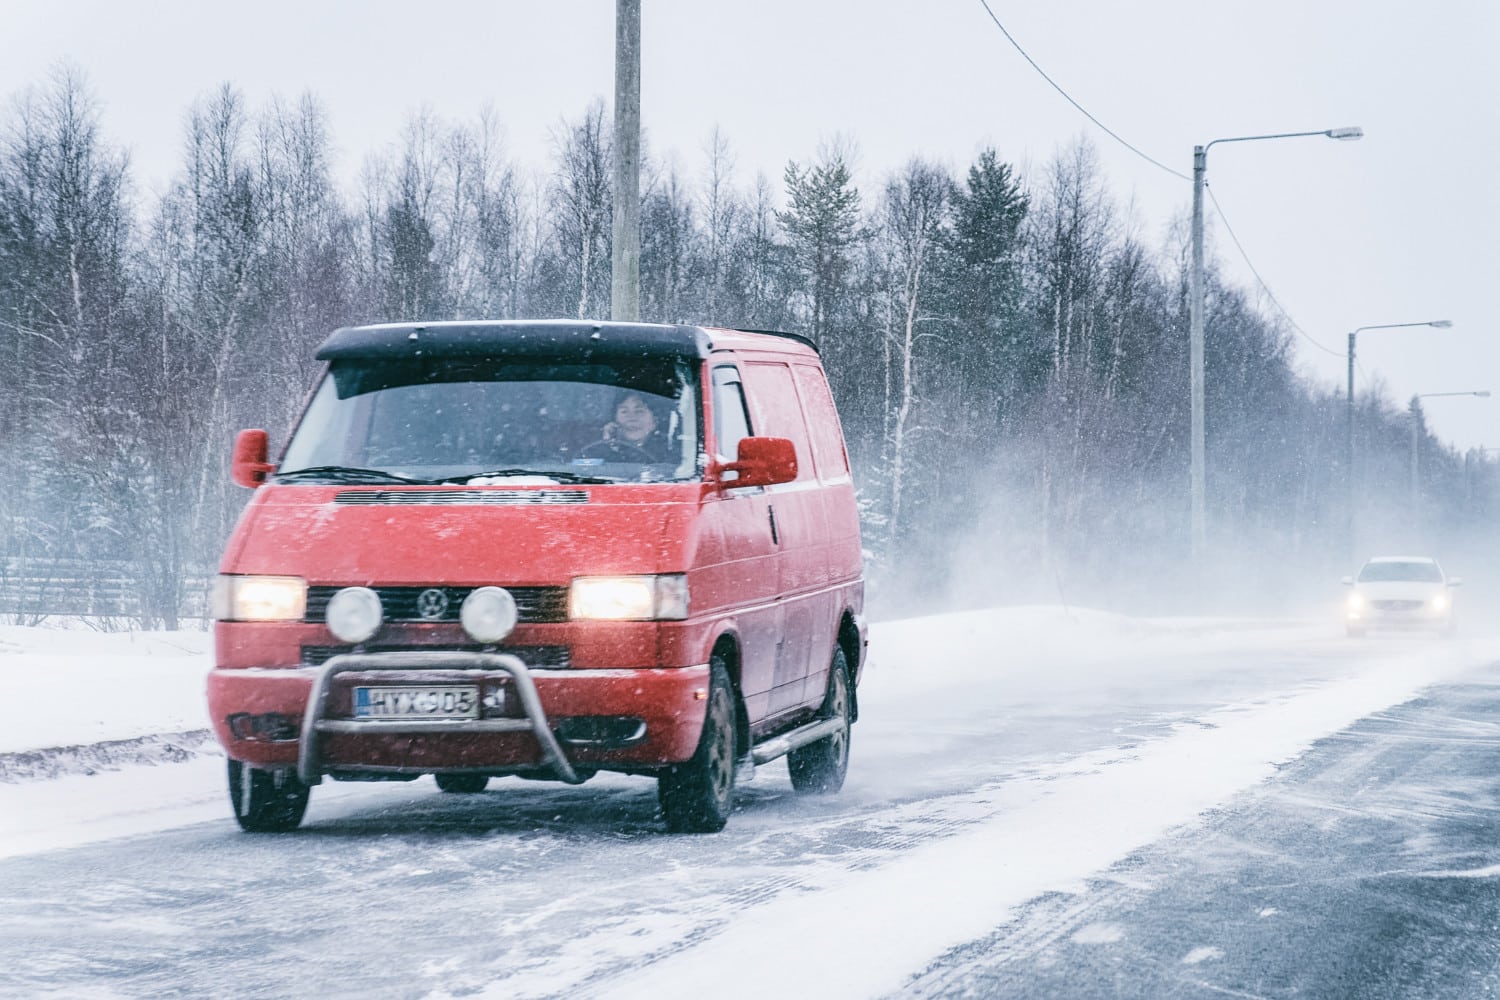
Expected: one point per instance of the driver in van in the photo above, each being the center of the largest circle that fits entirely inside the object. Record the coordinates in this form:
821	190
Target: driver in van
633	435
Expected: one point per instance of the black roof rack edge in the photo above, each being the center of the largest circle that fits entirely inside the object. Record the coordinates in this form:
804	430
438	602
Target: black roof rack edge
800	338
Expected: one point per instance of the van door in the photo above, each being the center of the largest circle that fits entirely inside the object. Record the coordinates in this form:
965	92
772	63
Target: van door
801	523
741	577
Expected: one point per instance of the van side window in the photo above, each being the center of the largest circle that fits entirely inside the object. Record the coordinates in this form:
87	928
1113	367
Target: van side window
823	422
731	418
778	412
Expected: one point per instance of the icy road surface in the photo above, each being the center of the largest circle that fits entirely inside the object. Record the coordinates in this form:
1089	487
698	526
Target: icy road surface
1009	766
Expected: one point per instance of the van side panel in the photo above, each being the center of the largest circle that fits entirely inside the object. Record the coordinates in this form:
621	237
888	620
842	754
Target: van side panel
841	554
801	516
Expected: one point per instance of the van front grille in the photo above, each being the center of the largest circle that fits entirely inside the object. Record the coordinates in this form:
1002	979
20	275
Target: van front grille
535	657
489	497
401	604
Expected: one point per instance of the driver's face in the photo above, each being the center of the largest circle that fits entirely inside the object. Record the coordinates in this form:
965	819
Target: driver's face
635	419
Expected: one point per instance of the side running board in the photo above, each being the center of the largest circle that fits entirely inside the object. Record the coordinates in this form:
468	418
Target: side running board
780	746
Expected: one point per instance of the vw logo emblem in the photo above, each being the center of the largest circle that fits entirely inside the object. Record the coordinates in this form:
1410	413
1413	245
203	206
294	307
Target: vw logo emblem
432	603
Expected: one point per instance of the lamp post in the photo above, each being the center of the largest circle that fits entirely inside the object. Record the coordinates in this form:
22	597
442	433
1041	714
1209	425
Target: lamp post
1441	324
1197	504
1416	436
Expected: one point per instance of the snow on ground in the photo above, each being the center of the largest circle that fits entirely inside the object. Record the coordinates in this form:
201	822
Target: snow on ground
70	687
1127	727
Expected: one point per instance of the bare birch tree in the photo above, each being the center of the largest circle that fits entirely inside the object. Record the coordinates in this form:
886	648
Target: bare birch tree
914	214
581	208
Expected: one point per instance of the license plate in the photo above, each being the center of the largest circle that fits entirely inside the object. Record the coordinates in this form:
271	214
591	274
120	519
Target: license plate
416	703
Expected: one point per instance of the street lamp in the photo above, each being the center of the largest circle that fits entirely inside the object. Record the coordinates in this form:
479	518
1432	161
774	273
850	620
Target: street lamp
1441	324
1416	435
1195	307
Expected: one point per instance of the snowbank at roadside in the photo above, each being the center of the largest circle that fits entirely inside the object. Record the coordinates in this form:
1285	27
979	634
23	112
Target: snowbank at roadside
70	687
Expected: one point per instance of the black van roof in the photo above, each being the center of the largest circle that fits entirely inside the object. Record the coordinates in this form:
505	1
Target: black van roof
525	338
520	338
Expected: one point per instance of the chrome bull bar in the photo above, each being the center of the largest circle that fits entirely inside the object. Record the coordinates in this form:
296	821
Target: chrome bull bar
476	666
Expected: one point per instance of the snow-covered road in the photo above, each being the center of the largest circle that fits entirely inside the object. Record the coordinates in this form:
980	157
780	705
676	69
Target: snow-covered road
1001	755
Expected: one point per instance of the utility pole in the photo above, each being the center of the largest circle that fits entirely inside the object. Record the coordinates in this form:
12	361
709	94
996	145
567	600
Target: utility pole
1416	440
1197	504
625	260
1350	498
1195	364
1349	480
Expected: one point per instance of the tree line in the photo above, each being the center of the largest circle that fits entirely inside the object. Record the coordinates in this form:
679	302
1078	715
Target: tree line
1008	353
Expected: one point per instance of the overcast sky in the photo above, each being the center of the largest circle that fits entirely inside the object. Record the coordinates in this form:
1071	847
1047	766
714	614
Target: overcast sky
1398	227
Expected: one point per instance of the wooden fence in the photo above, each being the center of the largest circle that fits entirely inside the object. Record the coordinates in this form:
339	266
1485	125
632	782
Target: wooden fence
35	589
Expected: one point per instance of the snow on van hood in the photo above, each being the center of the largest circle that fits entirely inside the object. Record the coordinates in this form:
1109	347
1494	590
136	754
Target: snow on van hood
308	531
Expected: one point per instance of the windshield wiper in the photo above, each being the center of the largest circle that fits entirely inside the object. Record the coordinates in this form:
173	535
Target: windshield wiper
345	474
562	477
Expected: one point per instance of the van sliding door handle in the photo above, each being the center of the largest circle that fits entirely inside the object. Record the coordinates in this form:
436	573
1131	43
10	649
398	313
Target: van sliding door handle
775	538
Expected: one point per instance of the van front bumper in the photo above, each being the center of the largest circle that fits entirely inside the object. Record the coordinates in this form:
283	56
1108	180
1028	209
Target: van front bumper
554	723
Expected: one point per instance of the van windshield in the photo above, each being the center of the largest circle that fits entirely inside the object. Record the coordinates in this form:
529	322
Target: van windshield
1393	571
474	420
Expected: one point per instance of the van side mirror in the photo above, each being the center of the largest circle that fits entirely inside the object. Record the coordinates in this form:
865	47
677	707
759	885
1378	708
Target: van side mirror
1455	581
249	467
761	461
1347	581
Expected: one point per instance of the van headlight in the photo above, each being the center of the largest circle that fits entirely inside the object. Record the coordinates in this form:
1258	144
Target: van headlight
629	598
1356	601
1439	602
259	598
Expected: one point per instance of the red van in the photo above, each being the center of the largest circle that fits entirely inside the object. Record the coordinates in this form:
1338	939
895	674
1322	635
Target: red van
546	549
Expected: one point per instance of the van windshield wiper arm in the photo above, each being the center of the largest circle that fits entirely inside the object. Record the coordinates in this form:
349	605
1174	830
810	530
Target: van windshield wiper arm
345	474
562	477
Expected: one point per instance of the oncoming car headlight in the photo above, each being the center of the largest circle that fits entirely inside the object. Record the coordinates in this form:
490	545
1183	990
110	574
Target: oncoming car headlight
1439	602
1356	601
259	598
629	598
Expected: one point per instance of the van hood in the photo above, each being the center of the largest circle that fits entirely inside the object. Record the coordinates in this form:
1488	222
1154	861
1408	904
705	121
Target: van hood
528	536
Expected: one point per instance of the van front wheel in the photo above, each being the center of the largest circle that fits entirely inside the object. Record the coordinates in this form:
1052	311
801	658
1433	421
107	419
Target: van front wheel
819	768
697	796
266	800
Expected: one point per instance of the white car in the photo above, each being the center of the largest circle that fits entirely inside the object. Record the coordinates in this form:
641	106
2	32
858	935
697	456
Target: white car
1400	592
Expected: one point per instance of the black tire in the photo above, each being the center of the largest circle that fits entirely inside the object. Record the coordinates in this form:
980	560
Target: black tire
698	796
819	768
266	800
462	784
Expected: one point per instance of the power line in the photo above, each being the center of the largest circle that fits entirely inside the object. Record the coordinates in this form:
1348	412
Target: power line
1084	111
1218	210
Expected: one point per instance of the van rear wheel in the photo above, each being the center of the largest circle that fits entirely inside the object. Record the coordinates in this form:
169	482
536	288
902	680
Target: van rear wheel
697	796
819	768
266	800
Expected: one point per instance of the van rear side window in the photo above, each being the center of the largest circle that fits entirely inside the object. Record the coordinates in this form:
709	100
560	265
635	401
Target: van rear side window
823	422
